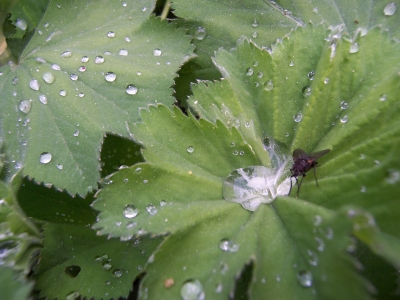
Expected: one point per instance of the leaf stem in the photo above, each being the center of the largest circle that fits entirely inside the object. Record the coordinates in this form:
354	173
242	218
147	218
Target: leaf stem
165	12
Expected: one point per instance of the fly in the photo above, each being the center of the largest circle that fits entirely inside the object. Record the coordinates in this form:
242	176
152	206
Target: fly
302	163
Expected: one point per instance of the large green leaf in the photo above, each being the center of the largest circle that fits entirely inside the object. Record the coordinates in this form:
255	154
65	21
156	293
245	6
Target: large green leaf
13	288
61	97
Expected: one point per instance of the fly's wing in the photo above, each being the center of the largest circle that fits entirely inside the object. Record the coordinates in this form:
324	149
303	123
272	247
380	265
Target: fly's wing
298	152
318	154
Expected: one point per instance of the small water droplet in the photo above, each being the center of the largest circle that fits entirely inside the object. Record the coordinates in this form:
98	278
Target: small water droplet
268	85
138	73
84	59
329	233
306	91
320	244
21	24
73	77
144	9
48	77
117	273
305	278
344	105
255	23
60	166
317	220
123	52
82	69
108	282
111	34
393	176
138	170
363	189
110	76
130	211
228	245
260	74
287	134
326	80
298	117
157	52
190	149
200	33
354	48
127	39
14	80
145	181
383	97
151	209
45	158
249	71
66	54
106	264
254	34
99	60
56	67
34	85
313	260
131	225
63	93
192	290
131	89
25	106
76	133
219	288
390	9
291	64
344	119
311	75
235	152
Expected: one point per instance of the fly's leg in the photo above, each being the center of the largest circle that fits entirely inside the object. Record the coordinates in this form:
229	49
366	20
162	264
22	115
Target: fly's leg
299	185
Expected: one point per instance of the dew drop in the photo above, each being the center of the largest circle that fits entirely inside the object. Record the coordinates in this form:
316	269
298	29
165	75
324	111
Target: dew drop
326	80
138	170
157	52
131	89
298	117
344	105
60	166
363	189
219	288
313	260
344	119
117	273
254	34
73	77
235	152
163	203
329	233
255	23
131	225
45	158
14	80
268	85
354	48
66	54
393	176
48	77
249	71
317	220
63	93
192	290
228	245
123	52
106	264
56	67
82	69
99	60
21	24
311	75
260	74
84	59
200	33
34	85
25	106
190	149
305	278
110	76
145	181
390	9
130	211
127	39
138	73
108	282
111	34
291	64
383	97
76	133
306	91
151	209
320	244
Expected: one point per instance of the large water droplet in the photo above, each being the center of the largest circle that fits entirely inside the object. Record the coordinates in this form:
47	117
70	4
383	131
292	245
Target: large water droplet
190	149
151	209
117	273
311	75
157	52
228	245
298	117
344	119
354	48
192	290
21	24
34	85
45	158
43	99
99	60
344	105
25	106
48	77
110	76
390	9
254	185
305	278
123	52
306	91
131	89
268	85
66	54
249	71
130	211
200	33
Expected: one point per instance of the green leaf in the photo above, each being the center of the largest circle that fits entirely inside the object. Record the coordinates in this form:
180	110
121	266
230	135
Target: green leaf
13	288
143	52
90	266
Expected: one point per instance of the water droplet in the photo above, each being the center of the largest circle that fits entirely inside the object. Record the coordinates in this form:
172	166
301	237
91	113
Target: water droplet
63	93
106	264
48	77
313	260
311	75
317	220
320	244
110	76
260	74
14	80
45	158
144	9
254	34
291	64
131	225
157	52
72	271
108	282
192	290
127	39
249	71
163	203
326	80
76	133
344	119
255	23
138	170
25	106
56	67
235	152
72	295
60	167
66	54
200	33
228	245
131	89
363	189
123	52
344	105
268	85
130	211
354	48
219	288
82	69
111	34
138	73
305	278
393	176
390	9
145	181
84	59
151	209
117	273
73	77
306	91
34	85
21	24
383	97
99	60
298	117
190	149
329	233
